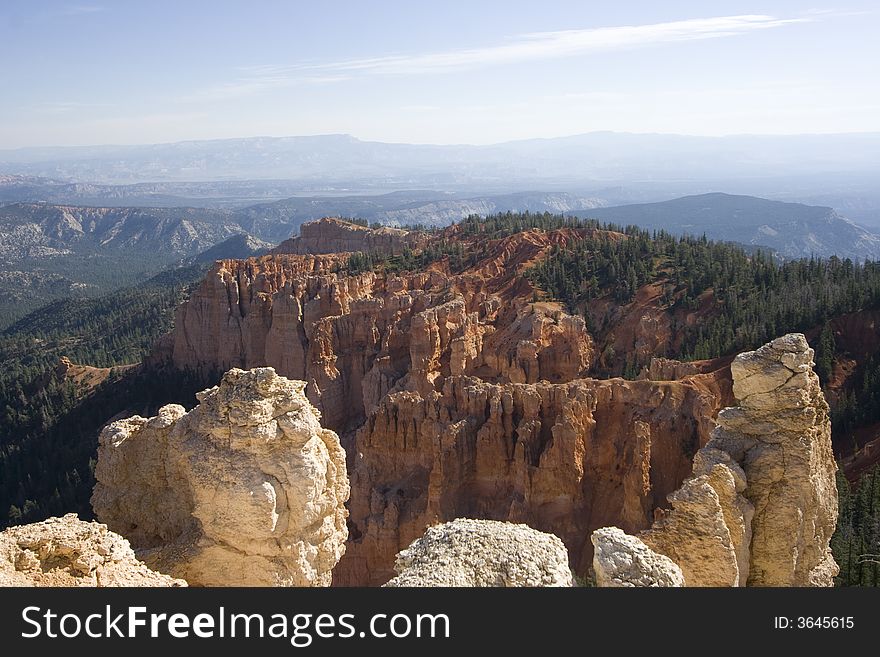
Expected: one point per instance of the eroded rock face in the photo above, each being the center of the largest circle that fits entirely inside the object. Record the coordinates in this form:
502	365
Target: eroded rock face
781	435
623	560
246	489
728	481
355	338
694	535
69	552
761	505
468	552
562	458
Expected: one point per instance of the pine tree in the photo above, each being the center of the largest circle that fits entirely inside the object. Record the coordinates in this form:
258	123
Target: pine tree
825	351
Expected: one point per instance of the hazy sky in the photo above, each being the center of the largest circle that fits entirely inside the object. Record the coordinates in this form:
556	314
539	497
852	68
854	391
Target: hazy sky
102	71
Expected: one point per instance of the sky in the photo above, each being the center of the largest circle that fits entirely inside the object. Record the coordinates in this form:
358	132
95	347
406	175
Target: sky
134	72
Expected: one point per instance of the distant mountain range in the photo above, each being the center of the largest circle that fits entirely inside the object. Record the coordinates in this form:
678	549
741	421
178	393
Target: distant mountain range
49	251
41	230
236	247
52	251
328	160
272	220
836	170
227	193
793	230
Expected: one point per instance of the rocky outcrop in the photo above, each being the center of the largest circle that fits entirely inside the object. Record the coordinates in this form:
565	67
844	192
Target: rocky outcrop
541	343
761	505
667	369
728	481
332	235
69	552
245	489
623	560
468	552
694	535
781	435
84	377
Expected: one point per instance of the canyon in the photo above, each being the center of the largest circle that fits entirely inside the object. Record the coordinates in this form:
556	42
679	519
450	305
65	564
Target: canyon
454	393
248	489
368	421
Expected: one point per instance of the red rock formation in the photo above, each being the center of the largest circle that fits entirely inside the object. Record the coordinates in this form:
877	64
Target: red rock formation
331	235
353	338
668	369
633	333
85	377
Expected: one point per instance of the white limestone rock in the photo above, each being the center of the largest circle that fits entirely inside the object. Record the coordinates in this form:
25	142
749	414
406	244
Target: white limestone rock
247	489
67	551
472	553
623	560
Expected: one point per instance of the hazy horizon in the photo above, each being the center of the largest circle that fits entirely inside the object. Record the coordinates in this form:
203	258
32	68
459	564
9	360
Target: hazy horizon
845	133
457	74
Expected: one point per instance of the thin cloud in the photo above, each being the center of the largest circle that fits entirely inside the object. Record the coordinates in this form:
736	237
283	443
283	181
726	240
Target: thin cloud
552	45
66	106
523	48
83	9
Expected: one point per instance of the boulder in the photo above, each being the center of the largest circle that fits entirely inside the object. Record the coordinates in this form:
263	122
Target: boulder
468	552
623	560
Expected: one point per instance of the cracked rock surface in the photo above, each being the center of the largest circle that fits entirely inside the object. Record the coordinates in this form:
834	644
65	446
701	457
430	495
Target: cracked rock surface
67	551
623	560
247	489
781	435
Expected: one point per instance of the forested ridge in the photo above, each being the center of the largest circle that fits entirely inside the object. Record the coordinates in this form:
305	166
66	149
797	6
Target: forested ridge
35	282
113	329
746	297
48	427
755	299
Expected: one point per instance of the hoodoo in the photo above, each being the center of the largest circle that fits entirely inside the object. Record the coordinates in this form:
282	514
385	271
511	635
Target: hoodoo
761	505
247	489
